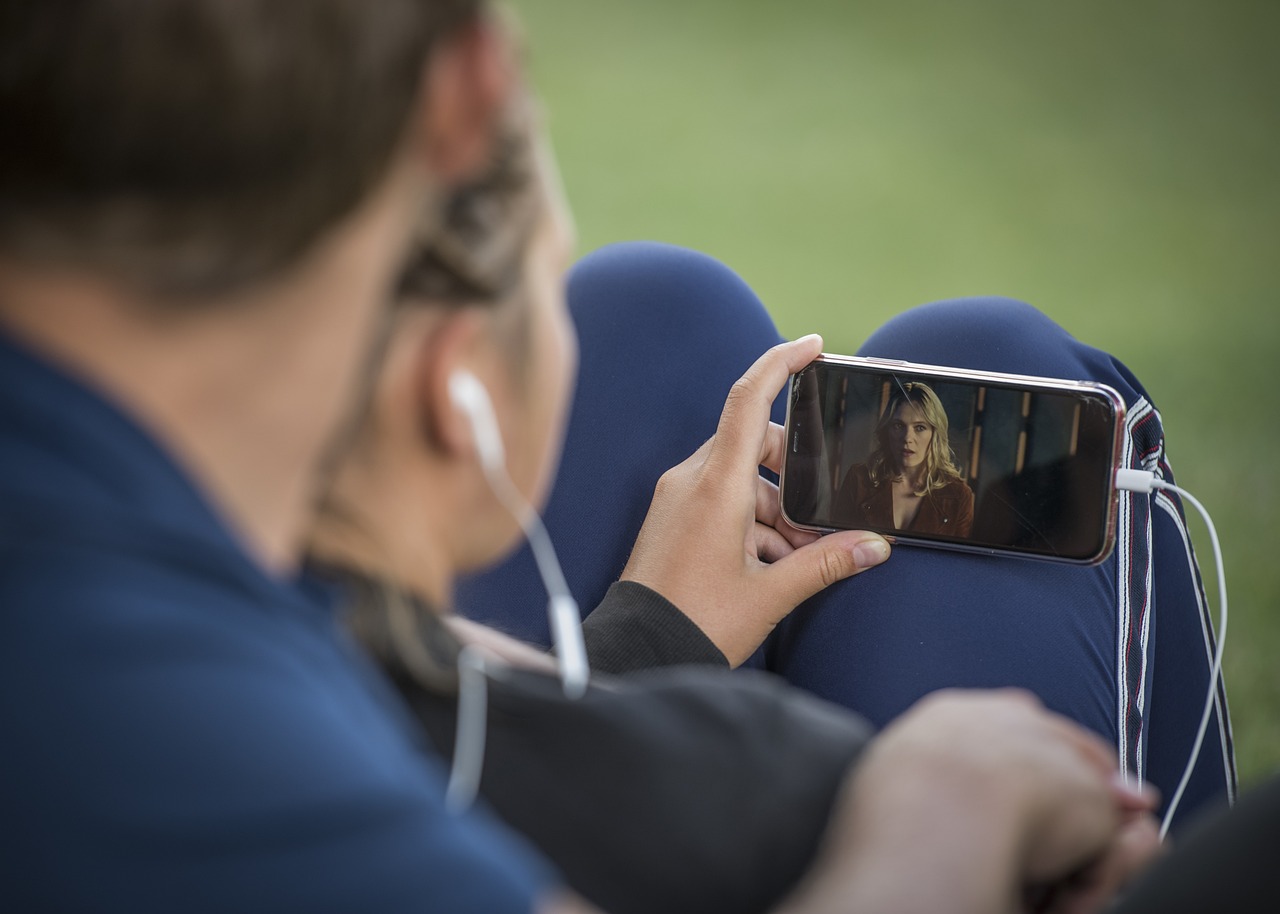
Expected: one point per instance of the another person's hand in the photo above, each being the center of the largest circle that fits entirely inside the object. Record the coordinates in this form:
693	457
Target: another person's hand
714	542
1095	886
972	798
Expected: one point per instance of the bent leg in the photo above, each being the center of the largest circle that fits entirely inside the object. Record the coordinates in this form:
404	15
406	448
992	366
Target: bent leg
1121	647
663	334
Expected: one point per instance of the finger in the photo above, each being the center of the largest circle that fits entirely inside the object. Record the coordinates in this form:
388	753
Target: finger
739	439
818	565
1138	845
1099	754
775	445
700	454
1134	795
1132	850
769	511
797	536
768	505
771	546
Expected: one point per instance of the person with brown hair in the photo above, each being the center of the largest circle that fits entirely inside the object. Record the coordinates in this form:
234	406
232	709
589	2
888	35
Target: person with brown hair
642	789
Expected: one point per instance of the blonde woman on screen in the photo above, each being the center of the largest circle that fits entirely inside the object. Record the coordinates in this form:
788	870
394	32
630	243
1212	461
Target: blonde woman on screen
910	482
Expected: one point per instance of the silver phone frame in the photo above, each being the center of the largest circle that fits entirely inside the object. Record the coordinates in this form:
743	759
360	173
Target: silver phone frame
1062	385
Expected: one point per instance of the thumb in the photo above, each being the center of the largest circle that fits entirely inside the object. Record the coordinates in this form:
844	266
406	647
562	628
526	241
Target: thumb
817	566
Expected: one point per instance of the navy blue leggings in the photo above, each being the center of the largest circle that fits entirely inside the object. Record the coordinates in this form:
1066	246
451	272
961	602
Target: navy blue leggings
1122	647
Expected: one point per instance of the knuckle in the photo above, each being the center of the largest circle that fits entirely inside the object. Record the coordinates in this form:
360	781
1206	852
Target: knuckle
667	482
834	566
743	390
681	484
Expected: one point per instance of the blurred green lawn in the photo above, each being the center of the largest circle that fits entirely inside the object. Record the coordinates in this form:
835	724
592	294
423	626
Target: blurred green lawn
1113	163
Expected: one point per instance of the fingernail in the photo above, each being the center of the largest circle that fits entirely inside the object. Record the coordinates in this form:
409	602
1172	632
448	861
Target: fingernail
870	552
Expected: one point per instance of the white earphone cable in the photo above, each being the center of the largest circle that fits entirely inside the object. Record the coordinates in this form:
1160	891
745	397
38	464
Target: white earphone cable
562	610
1147	482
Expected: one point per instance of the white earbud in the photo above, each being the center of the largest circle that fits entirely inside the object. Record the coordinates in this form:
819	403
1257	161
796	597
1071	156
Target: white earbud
470	396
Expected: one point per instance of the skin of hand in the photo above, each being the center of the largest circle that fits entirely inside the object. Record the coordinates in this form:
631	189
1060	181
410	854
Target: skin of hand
969	799
562	902
1092	888
714	542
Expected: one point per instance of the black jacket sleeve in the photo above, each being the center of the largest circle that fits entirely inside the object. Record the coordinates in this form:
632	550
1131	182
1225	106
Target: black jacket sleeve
635	628
686	790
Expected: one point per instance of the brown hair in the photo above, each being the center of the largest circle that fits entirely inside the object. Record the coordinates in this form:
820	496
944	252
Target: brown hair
472	257
193	146
474	254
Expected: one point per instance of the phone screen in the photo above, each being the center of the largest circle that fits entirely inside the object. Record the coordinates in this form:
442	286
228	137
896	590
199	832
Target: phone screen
966	460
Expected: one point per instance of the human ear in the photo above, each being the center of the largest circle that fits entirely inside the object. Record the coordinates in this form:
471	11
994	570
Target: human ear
466	85
446	354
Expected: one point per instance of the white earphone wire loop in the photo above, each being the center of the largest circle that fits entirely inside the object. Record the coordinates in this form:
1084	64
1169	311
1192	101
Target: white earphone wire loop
1215	668
469	733
562	609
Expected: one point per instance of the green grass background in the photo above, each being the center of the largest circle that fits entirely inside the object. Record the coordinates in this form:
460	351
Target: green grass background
1113	163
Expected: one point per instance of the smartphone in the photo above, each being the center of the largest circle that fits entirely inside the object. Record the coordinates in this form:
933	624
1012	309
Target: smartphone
968	460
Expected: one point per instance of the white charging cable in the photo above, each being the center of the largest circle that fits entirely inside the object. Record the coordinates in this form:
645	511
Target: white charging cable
1143	481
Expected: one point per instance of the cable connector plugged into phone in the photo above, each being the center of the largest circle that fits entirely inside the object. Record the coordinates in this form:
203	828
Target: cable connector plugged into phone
1138	481
1146	482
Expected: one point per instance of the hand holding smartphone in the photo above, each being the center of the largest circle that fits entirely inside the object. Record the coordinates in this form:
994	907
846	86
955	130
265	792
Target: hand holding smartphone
969	460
